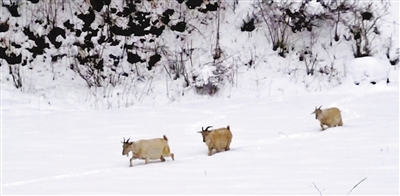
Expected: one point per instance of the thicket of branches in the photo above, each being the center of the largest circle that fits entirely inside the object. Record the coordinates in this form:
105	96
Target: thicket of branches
111	45
361	20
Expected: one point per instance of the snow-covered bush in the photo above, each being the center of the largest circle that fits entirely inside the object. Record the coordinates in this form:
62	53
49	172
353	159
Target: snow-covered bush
300	29
369	69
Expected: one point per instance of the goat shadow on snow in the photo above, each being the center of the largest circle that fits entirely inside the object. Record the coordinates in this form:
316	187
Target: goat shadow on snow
151	162
223	151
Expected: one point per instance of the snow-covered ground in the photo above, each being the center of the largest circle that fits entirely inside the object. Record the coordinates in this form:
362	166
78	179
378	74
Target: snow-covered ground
59	137
277	147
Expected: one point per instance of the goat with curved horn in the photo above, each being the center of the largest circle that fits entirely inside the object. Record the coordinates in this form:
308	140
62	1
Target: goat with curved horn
147	149
218	139
330	117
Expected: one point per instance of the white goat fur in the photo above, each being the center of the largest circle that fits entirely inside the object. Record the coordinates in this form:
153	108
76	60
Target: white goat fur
330	117
218	139
147	149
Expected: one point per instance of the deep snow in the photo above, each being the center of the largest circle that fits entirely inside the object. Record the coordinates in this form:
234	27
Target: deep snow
57	137
277	147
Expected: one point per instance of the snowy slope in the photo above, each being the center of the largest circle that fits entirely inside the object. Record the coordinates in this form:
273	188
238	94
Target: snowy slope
277	147
57	139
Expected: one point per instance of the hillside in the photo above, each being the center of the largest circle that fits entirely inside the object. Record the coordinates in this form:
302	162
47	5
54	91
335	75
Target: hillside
174	50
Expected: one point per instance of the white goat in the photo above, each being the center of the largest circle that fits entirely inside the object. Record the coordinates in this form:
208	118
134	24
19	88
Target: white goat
330	117
218	139
147	149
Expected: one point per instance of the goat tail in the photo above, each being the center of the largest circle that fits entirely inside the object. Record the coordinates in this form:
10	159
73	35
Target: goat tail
165	137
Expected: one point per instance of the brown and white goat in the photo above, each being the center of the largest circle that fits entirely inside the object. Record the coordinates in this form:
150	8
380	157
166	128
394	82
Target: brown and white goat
157	148
330	117
218	139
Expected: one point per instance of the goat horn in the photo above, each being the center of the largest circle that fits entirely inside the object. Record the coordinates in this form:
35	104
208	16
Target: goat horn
320	107
207	128
127	140
124	140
